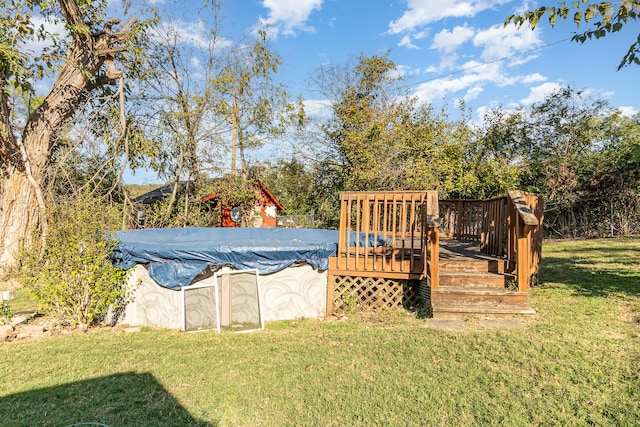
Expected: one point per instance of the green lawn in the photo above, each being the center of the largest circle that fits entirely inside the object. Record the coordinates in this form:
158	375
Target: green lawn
577	362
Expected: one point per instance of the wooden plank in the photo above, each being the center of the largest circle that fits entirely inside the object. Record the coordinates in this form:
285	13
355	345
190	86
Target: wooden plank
412	230
523	208
522	259
375	274
330	292
394	228
434	257
433	210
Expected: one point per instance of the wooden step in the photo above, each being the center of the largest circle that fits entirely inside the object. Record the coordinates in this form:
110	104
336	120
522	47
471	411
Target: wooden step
473	279
438	309
468	295
469	264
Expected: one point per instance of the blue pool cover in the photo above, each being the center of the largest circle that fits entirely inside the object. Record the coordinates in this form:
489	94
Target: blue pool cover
175	256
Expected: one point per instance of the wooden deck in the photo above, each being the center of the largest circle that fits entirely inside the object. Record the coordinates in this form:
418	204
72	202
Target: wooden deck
469	256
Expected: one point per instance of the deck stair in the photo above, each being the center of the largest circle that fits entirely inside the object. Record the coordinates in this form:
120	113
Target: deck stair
475	284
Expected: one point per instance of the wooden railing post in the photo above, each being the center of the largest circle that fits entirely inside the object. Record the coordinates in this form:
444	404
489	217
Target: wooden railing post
434	257
524	221
523	257
460	220
433	226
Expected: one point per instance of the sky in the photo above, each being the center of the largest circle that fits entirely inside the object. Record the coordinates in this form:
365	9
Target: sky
446	51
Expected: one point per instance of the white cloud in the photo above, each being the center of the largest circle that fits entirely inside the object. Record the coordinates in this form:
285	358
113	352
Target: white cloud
406	42
500	42
424	12
318	108
470	84
289	15
473	93
35	46
628	111
539	93
188	33
472	81
448	41
533	78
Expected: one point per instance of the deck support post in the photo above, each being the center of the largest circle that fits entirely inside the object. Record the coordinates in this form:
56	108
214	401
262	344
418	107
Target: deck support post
523	257
434	257
525	220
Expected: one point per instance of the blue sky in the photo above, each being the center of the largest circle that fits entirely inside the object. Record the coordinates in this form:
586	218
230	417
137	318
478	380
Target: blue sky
445	49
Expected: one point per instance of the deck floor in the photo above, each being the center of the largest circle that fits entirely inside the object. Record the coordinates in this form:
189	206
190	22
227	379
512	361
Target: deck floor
456	249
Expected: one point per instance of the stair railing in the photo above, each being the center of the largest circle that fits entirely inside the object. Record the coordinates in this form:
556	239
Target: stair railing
505	227
524	236
431	218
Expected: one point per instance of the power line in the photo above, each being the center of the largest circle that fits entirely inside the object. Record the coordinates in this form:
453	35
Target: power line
488	62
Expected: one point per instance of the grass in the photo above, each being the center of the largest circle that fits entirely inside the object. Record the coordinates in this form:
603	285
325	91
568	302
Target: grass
575	363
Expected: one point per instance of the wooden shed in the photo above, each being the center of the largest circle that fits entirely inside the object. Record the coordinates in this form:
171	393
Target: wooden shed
263	215
260	212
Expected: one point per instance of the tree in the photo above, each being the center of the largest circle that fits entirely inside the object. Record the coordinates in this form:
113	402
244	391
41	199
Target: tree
178	102
291	182
567	147
385	139
80	64
253	105
605	18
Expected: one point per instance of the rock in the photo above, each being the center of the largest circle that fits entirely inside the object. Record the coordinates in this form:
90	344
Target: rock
18	320
32	329
6	331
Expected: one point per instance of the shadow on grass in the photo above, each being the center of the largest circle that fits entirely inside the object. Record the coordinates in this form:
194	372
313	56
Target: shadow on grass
127	399
587	281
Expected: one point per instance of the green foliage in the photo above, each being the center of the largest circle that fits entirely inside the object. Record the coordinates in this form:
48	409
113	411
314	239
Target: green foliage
605	17
17	25
188	211
567	147
5	313
386	140
249	100
291	182
72	276
231	190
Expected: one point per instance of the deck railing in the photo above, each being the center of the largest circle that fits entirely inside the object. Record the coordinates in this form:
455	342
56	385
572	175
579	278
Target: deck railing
524	241
387	233
505	227
461	219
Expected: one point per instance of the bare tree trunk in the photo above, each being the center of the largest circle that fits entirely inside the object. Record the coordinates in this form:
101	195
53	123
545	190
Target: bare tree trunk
19	215
234	136
24	161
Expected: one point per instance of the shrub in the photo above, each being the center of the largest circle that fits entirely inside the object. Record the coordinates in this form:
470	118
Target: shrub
72	276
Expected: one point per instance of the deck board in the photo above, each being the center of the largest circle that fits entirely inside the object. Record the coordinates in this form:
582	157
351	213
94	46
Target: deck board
458	249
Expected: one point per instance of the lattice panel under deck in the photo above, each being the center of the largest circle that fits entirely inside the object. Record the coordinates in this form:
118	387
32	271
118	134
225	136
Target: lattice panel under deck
371	293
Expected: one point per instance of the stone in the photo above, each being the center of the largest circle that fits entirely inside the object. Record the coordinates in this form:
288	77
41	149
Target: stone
32	329
6	331
17	320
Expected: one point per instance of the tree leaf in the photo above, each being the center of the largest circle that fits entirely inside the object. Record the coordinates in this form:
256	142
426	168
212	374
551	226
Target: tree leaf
577	18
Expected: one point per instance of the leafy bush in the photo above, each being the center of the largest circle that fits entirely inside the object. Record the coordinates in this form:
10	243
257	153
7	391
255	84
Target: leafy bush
72	276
